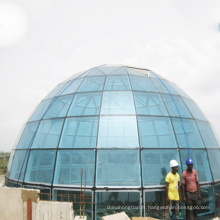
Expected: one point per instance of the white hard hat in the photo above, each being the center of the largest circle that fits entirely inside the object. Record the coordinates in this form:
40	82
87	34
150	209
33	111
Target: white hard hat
173	163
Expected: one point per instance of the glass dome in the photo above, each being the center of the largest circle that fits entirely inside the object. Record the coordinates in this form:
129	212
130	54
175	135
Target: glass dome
121	125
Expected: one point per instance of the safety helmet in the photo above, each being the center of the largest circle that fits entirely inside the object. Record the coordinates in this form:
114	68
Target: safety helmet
189	161
173	163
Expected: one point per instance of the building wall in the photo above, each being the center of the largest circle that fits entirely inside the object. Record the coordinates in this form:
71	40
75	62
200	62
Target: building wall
13	205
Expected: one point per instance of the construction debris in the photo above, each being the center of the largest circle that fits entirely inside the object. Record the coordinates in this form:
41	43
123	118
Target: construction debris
118	216
80	218
144	218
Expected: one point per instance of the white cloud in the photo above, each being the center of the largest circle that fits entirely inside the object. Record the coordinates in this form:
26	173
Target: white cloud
13	23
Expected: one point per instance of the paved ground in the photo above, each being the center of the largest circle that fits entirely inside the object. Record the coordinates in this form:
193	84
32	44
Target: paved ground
2	180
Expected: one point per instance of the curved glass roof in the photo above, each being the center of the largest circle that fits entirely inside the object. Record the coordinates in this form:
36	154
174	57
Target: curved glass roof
102	117
122	124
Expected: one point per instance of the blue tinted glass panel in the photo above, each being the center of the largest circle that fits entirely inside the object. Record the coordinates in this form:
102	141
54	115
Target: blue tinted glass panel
59	107
10	163
214	159
155	75
13	184
200	161
156	165
115	103
119	201
192	133
48	134
93	83
149	104
156	132
56	90
41	110
217	198
17	169
95	72
206	204
207	134
117	83
108	69
179	90
79	133
193	108
153	200
164	86
40	166
70	164
142	84
121	71
143	72
72	86
85	104
137	72
172	106
118	131
118	168
75	196
20	133
27	135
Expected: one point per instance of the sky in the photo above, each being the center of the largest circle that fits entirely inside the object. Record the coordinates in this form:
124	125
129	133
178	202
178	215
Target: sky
43	42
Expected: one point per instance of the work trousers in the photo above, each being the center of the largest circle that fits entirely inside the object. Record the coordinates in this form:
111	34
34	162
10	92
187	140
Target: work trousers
174	208
191	205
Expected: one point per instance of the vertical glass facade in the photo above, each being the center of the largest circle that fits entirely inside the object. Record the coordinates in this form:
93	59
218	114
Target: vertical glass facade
206	203
155	165
76	197
122	125
217	199
118	168
154	199
108	203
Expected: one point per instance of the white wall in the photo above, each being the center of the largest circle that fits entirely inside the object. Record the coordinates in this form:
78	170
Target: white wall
13	205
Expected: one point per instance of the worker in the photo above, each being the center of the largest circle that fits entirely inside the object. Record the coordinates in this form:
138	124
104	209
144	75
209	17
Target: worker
173	189
191	190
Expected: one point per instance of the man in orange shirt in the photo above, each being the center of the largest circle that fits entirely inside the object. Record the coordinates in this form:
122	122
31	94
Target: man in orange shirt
191	190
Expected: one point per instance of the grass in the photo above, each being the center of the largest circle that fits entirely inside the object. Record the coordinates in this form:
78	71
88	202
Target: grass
4	157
